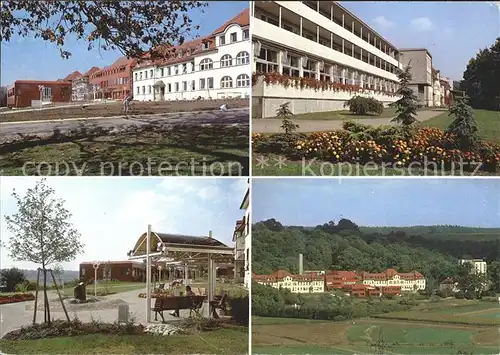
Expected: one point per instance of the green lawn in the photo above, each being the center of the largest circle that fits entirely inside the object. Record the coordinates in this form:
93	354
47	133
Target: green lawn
221	341
389	112
488	122
360	349
179	150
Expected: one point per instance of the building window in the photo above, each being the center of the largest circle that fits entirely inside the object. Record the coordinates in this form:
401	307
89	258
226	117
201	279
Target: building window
202	84
310	69
176	87
267	61
143	90
242	58
222	40
151	73
184	86
192	67
226	82
149	89
243	80
291	66
176	68
234	37
169	87
136	76
226	61
146	74
193	85
210	83
206	64
246	34
169	71
184	68
161	72
140	75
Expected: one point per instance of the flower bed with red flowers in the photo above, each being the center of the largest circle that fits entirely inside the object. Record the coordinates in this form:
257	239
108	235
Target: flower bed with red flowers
364	144
311	83
16	297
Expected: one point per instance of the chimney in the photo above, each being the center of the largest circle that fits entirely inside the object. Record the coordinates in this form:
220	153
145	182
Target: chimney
301	264
210	234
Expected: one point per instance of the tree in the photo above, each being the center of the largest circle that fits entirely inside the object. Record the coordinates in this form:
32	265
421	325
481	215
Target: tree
407	105
464	126
132	27
11	278
285	114
494	274
481	78
42	232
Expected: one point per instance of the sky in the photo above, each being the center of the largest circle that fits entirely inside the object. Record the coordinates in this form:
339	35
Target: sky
378	202
112	213
35	59
453	31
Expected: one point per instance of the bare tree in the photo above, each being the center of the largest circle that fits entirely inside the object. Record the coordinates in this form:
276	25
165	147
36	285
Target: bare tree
42	232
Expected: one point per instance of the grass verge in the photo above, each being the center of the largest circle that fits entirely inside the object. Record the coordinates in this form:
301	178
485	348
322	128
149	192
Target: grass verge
232	341
175	150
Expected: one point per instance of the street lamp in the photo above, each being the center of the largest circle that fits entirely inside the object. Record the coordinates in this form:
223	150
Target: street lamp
95	264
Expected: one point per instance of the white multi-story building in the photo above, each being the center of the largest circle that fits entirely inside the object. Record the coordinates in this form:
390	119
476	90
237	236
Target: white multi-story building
337	55
214	67
408	281
295	283
479	266
241	239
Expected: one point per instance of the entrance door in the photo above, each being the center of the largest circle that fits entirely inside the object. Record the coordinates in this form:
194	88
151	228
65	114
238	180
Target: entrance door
162	93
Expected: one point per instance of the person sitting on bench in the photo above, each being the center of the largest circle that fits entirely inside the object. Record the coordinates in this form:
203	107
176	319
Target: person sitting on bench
188	293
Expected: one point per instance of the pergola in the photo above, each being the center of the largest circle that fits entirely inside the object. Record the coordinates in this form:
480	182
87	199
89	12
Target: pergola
180	249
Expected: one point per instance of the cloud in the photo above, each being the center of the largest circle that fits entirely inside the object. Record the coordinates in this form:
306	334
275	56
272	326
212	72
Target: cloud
383	22
421	24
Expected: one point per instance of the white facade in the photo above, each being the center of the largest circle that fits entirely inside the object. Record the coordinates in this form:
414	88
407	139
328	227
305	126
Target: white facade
405	283
248	273
295	283
215	73
323	41
479	266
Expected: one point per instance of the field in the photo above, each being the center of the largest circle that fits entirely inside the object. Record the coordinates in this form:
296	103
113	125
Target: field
116	109
431	330
342	115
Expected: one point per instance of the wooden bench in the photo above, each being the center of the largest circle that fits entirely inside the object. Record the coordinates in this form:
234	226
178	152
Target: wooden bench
193	303
219	302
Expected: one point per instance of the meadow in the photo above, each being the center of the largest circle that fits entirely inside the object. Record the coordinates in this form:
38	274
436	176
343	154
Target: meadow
430	328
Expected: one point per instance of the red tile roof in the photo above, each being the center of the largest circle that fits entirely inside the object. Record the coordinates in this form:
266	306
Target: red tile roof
91	71
75	75
242	19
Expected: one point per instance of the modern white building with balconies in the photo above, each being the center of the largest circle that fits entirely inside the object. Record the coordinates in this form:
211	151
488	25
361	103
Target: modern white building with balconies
334	54
213	67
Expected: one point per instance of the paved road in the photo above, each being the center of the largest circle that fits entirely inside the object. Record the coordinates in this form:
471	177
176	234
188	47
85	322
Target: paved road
272	125
16	315
231	117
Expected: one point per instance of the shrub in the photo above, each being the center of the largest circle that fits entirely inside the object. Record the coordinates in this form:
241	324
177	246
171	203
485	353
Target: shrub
359	105
240	309
459	295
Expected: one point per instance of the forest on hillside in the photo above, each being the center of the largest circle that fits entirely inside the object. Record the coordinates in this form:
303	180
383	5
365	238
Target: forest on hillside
345	246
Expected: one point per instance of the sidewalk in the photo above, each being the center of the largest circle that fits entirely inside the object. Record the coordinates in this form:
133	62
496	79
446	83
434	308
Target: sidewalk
272	125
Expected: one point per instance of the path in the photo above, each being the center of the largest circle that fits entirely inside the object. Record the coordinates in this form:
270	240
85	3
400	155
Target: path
272	125
231	117
16	315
